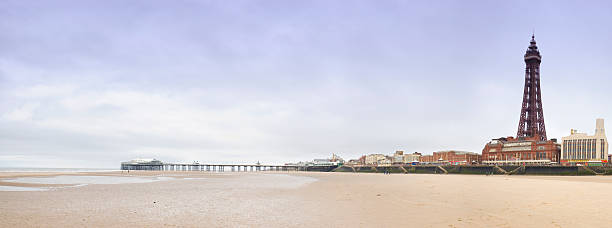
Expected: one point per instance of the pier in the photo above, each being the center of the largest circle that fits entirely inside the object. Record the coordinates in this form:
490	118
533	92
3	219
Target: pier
156	165
208	167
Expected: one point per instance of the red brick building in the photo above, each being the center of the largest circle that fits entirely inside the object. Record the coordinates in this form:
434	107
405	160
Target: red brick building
528	150
426	159
452	157
457	157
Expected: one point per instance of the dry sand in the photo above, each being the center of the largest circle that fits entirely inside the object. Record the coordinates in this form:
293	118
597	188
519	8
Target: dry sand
293	199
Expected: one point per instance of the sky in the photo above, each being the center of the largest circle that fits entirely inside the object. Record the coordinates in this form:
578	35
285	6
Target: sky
94	83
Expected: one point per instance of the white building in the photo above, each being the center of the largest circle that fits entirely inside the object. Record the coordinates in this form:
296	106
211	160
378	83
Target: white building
374	159
411	158
583	148
398	157
388	161
143	161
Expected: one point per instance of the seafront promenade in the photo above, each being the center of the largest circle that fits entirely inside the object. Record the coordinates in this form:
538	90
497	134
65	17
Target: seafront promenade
481	169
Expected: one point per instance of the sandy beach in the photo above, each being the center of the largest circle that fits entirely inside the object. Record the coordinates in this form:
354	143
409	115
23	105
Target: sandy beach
297	199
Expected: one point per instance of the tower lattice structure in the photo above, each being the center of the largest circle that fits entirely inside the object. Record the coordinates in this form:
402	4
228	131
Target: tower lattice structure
531	122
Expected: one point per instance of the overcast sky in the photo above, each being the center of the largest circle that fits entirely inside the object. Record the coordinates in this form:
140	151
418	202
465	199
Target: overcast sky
93	83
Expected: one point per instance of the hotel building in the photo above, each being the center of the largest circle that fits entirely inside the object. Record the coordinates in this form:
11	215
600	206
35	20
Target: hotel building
583	148
427	159
375	159
398	157
457	157
412	158
452	157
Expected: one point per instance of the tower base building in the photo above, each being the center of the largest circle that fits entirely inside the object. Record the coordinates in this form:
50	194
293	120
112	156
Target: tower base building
522	151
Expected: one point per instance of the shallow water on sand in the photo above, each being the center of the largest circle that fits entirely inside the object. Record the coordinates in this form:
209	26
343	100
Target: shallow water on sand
20	189
53	170
265	181
85	180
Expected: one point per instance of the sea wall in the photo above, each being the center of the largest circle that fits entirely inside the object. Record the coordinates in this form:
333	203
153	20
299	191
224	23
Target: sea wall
486	170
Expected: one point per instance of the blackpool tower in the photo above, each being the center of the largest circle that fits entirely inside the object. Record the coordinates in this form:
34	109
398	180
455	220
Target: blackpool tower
531	123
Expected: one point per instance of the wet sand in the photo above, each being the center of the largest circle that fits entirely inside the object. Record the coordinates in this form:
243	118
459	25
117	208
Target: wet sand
193	199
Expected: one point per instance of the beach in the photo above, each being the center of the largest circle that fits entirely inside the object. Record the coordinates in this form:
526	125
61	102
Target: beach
301	199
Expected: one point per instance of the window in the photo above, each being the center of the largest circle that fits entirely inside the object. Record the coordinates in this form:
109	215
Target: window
593	146
582	149
564	152
603	150
573	149
569	150
588	150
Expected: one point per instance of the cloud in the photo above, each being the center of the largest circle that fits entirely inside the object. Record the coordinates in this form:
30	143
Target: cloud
43	91
136	120
101	82
25	112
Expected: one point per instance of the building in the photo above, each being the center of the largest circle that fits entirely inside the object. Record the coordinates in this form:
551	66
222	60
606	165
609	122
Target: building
522	151
412	158
353	162
322	161
530	145
142	164
359	161
427	159
398	157
335	160
388	161
457	157
586	149
374	159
